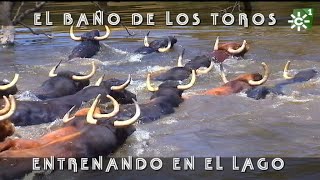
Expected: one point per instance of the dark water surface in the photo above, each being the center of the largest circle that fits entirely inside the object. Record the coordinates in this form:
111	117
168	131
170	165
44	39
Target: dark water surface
286	126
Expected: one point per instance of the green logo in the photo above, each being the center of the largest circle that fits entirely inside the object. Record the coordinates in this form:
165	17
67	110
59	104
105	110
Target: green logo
302	18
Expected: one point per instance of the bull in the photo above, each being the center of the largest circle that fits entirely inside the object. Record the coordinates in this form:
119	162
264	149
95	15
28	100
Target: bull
240	83
182	72
37	112
161	45
63	83
223	51
262	91
90	43
9	88
163	101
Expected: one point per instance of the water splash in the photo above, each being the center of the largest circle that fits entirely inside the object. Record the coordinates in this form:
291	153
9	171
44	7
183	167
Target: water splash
27	96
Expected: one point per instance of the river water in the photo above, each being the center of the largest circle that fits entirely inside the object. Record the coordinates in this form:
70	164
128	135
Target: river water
286	126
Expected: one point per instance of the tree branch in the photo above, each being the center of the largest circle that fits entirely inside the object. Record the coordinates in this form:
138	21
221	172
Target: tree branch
102	9
236	4
37	7
36	33
18	11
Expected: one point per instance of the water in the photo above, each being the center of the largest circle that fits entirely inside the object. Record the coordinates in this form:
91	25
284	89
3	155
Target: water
286	126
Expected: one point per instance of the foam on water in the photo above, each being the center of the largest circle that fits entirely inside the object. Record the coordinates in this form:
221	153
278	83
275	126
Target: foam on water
27	96
140	138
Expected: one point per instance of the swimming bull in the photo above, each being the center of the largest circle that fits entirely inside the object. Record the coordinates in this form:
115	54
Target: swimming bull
37	112
161	45
223	51
240	83
63	83
7	88
262	91
163	101
182	72
89	45
6	127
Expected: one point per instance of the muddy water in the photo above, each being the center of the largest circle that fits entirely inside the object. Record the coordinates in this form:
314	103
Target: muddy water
234	125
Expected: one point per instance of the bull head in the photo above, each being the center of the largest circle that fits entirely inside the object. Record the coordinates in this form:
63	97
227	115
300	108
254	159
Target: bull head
11	84
95	38
9	108
115	88
91	116
165	49
230	50
180	87
251	82
74	77
198	71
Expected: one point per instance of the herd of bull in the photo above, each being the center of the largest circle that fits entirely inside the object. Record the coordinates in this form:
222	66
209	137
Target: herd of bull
100	130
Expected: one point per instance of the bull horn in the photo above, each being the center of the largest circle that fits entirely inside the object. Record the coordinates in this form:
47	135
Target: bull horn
90	118
6	106
191	83
285	71
99	81
105	36
216	44
11	84
73	36
166	48
223	75
116	108
12	109
239	50
52	72
66	117
149	86
123	86
145	41
131	120
265	77
180	59
86	77
205	71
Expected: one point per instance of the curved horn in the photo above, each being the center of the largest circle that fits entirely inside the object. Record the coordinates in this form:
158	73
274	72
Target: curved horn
73	36
66	117
216	44
11	84
265	77
166	48
145	41
52	72
123	86
105	36
116	109
90	118
6	106
12	109
131	120
205	71
99	81
285	71
223	75
149	86
239	50
86	77
180	59
191	83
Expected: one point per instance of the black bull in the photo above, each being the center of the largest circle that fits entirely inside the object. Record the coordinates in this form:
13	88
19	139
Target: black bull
262	91
63	83
160	45
37	112
89	45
